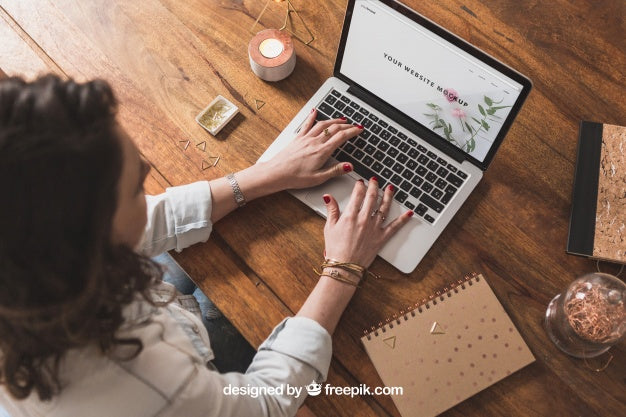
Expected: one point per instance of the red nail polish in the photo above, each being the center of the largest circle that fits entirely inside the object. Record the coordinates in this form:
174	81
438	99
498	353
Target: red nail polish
391	187
313	109
411	213
347	167
326	199
374	179
360	126
343	118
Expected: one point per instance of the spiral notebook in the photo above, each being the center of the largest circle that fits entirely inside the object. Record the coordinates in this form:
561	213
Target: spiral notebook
447	348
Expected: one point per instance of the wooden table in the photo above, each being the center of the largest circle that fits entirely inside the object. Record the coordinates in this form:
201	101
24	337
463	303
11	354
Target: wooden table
167	59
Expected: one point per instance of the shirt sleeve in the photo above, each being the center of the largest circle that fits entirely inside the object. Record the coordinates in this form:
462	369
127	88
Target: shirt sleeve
178	218
297	353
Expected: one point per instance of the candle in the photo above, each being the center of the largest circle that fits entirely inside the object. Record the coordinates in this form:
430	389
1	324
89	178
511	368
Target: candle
272	55
271	48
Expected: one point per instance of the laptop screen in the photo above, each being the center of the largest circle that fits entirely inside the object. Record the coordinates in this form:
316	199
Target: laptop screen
446	85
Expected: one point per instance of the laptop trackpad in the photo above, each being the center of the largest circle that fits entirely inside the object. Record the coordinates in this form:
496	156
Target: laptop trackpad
340	188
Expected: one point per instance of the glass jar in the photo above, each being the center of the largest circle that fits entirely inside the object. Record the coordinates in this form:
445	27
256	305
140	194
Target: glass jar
589	316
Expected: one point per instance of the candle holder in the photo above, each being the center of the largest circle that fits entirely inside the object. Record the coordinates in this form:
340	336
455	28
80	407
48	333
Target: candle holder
289	10
589	316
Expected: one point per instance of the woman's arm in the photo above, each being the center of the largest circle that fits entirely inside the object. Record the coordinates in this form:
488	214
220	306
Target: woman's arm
299	165
354	236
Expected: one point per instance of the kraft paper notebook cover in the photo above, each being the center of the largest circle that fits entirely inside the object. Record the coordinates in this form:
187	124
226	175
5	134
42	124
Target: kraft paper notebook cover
597	226
446	349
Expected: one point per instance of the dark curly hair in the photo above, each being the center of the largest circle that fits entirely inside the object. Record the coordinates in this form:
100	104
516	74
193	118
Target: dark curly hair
63	283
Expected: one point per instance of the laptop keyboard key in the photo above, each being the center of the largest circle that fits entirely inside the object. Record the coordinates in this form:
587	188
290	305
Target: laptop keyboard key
376	128
358	154
349	148
379	156
354	106
364	111
345	99
403	136
421	170
387	173
386	135
454	180
388	162
436	193
432	203
398	167
373	117
441	183
422	148
335	93
417	180
358	117
368	160
349	111
412	164
393	130
326	109
421	209
366	123
427	187
383	123
462	174
396	179
321	116
407	174
377	166
340	106
360	143
423	159
431	154
383	146
400	196
451	167
370	149
415	192
367	173
409	205
330	100
432	165
431	177
429	218
393	152
441	160
442	172
402	158
446	198
404	147
450	189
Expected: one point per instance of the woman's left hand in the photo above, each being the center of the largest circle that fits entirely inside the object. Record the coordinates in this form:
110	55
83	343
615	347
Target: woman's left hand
301	164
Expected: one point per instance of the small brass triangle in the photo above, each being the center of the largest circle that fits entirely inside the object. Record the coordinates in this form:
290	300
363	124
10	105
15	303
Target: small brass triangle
201	146
437	329
259	104
206	165
214	159
390	341
186	142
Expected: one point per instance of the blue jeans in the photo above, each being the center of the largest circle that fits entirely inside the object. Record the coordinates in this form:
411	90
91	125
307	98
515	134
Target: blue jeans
232	352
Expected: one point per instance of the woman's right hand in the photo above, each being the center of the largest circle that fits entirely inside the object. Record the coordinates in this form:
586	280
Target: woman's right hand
357	234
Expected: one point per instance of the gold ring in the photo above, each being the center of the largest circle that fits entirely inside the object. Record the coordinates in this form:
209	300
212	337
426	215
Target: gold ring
326	132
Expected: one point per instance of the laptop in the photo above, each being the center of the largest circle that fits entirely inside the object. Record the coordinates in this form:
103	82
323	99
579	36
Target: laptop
435	110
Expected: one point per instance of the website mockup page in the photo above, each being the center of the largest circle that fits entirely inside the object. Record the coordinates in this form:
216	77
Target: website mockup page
439	85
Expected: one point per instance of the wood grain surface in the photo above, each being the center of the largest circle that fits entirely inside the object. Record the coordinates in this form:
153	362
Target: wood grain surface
167	59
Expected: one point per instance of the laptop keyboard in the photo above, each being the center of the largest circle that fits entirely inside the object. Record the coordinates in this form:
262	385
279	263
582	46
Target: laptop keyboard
425	181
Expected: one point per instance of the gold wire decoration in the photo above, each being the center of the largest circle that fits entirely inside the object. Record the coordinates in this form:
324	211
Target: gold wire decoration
290	9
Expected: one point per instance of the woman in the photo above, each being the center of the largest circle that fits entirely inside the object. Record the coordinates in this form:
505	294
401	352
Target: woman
86	326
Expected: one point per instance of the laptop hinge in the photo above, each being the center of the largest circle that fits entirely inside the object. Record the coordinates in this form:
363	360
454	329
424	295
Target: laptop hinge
410	124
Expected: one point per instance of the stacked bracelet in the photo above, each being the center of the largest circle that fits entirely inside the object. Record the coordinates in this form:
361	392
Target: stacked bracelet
354	269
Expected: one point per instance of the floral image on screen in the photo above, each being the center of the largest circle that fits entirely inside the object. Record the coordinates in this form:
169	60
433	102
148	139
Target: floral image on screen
457	124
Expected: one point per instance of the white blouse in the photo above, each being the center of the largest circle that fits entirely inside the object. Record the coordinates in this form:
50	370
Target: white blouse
170	377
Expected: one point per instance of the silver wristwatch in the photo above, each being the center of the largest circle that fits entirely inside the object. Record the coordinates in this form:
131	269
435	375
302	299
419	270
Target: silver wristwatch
239	198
